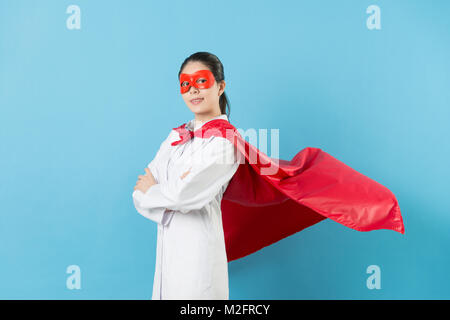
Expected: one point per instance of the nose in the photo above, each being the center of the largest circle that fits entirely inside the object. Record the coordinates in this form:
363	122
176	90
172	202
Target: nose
193	89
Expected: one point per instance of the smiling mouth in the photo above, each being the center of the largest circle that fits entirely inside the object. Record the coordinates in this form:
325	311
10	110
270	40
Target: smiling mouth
196	100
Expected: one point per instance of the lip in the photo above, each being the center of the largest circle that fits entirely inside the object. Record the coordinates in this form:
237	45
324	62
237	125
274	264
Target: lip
195	100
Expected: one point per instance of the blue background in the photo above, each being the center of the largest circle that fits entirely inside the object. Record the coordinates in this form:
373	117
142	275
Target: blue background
84	111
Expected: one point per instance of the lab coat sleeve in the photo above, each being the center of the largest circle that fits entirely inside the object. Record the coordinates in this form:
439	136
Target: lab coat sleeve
213	167
157	214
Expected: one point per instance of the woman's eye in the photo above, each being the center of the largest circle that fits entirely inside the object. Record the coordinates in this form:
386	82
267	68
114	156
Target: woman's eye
202	80
184	84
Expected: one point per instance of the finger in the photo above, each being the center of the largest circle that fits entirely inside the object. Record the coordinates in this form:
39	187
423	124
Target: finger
147	171
185	174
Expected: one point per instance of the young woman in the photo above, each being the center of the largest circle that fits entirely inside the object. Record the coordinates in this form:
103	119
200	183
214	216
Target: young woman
182	191
184	187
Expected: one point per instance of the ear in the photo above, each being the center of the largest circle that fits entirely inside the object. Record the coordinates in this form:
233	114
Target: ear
222	87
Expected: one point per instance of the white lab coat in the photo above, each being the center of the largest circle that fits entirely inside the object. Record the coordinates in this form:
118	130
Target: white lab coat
191	260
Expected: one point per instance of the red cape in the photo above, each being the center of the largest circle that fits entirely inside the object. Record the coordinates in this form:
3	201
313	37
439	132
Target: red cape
260	209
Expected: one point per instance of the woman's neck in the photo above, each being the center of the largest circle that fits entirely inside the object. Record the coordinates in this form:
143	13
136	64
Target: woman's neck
199	119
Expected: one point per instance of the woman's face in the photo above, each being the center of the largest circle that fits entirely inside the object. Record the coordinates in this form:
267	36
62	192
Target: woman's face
210	97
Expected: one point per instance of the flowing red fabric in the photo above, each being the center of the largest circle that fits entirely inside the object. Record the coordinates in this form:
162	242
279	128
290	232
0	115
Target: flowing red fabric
259	209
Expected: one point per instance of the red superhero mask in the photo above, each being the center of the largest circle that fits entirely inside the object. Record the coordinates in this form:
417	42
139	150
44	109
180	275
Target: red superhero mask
202	79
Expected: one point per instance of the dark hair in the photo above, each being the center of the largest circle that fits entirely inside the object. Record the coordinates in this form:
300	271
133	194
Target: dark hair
216	67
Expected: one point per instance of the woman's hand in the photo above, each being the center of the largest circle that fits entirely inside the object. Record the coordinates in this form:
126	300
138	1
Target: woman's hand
145	181
186	173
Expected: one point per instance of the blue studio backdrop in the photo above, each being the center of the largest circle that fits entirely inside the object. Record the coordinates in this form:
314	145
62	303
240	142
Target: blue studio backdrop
89	90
